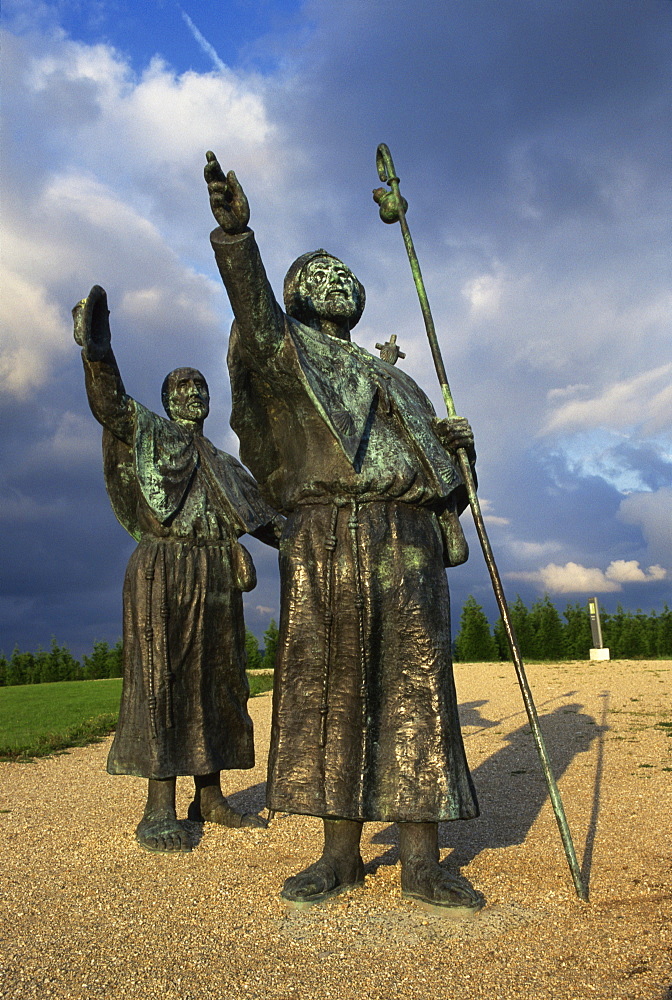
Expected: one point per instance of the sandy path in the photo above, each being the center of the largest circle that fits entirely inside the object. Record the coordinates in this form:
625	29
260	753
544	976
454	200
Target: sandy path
88	914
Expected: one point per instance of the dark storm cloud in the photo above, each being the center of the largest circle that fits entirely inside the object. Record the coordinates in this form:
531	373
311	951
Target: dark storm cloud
467	84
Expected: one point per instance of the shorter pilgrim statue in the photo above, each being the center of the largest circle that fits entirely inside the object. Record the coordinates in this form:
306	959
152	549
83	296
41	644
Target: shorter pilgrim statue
184	698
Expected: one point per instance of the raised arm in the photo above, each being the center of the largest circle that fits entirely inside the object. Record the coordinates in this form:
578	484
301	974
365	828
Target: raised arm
105	390
260	322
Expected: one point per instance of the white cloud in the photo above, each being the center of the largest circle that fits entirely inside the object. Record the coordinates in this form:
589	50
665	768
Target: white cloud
533	551
644	401
489	517
115	175
159	307
87	234
484	294
204	44
575	578
162	117
629	571
653	513
568	392
33	331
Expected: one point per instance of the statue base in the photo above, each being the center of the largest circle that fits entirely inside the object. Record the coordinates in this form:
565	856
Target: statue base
600	654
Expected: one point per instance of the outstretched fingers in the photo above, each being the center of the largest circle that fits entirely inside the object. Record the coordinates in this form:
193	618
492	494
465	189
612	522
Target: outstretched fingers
227	199
212	169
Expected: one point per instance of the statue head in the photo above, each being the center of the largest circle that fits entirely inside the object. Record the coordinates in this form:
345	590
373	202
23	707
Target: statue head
320	286
185	396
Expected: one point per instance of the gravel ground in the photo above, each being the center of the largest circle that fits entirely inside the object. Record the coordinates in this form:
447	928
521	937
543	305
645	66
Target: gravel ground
88	914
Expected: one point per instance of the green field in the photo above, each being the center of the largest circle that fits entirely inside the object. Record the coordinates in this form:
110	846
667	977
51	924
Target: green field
40	719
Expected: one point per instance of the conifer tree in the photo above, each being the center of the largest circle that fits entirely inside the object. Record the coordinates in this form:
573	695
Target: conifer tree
270	645
648	625
62	664
501	640
632	640
252	652
45	667
97	665
664	633
21	668
520	619
116	660
577	636
547	627
474	642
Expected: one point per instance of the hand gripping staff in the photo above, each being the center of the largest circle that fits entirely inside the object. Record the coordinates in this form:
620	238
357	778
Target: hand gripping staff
393	209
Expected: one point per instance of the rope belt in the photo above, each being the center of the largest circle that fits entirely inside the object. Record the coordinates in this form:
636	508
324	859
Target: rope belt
149	641
351	509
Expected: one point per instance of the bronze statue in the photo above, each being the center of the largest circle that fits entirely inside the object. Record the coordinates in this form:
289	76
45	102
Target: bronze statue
365	722
184	698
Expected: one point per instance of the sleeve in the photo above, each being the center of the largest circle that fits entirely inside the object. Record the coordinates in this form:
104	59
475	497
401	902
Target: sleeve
107	397
260	322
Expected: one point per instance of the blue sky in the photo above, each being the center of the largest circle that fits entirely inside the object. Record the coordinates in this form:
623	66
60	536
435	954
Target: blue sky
533	143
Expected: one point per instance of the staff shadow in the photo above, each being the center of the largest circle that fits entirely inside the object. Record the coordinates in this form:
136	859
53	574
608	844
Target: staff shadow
511	787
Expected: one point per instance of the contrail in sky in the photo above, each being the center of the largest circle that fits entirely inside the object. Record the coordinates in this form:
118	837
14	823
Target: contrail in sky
203	42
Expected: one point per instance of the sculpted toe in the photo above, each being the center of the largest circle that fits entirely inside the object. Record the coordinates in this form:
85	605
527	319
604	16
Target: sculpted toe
438	891
162	836
318	883
252	820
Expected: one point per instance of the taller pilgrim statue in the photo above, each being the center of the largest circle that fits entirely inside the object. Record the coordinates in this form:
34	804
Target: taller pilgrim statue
365	723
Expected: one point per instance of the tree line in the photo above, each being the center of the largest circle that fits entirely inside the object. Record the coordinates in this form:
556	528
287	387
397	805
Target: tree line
58	664
541	631
543	634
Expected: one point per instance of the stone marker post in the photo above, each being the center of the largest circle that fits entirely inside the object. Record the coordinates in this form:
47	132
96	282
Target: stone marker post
599	651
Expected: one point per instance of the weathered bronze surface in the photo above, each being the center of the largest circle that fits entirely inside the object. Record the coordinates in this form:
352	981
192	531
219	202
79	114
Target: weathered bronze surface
389	351
184	700
365	723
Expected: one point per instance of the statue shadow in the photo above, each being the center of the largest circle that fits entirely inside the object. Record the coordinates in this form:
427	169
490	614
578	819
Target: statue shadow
511	787
248	800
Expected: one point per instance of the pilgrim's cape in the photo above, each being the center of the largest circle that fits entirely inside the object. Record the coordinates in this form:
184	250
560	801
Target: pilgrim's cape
365	723
184	697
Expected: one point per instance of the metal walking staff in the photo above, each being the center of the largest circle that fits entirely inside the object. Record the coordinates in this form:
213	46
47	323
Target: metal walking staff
393	209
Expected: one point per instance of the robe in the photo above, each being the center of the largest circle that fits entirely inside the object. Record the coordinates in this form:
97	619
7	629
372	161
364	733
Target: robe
365	723
184	695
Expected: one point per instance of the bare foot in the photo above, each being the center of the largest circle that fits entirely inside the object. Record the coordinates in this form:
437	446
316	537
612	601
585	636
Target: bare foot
326	878
162	834
437	890
222	813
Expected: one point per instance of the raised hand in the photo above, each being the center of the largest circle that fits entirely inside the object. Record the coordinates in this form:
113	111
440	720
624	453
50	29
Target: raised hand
227	198
92	324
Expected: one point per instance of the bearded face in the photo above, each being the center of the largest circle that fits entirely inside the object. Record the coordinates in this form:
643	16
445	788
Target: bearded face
330	290
186	396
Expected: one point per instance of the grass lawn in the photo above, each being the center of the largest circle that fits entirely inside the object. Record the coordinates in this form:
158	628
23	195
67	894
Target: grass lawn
40	719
